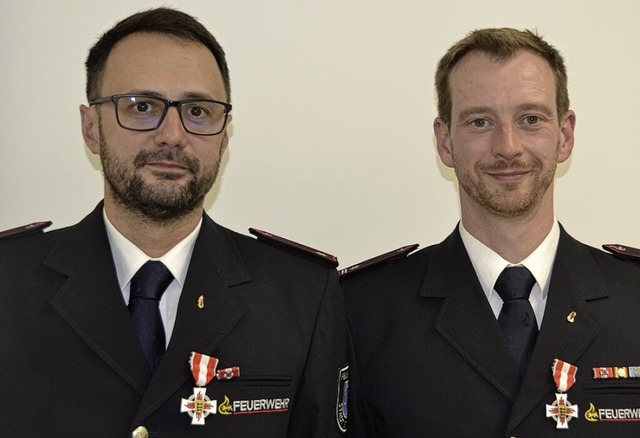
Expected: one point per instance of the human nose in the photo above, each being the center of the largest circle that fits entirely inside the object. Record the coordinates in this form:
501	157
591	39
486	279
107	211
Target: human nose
506	142
171	131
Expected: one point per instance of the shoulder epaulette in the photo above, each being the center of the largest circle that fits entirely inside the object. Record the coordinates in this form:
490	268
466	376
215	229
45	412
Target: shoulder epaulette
297	247
25	230
623	251
375	261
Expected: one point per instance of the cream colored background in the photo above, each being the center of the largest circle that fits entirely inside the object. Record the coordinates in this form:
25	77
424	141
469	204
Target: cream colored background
333	100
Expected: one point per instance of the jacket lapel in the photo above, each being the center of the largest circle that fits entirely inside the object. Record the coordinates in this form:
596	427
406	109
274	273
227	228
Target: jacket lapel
216	266
90	300
574	282
466	320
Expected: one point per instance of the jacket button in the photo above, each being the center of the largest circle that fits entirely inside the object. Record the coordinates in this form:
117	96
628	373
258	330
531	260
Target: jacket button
140	432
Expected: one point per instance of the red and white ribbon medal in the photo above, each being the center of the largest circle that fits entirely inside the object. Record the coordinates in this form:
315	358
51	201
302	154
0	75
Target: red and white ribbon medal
203	369
564	375
198	405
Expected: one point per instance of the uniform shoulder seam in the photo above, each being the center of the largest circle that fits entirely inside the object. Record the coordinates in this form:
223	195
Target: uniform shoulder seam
295	247
387	257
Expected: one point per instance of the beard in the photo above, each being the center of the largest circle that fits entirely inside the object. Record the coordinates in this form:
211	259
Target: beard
159	201
510	199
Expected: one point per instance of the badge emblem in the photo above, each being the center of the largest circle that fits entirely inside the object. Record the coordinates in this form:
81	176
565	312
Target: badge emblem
561	410
341	402
198	406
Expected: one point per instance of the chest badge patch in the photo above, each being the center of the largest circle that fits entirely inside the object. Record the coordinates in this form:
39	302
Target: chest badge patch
343	395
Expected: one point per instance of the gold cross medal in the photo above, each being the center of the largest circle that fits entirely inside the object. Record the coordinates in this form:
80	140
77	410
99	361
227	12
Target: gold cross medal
203	369
561	410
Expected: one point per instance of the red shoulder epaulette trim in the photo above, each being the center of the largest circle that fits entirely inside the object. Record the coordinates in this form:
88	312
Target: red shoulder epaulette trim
25	230
273	239
375	261
623	251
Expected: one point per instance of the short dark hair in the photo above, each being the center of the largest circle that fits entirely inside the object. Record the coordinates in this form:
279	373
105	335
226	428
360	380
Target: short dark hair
163	21
500	44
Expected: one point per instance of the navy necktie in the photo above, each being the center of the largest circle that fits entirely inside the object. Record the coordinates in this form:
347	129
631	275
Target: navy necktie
147	287
516	319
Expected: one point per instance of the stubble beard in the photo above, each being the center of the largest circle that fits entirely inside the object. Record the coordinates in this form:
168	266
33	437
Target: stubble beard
160	201
512	199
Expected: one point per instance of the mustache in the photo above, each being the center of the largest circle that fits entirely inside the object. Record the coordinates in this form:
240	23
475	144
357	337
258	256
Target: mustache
514	166
145	157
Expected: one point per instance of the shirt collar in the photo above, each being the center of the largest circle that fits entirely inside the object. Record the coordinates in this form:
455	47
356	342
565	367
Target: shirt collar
128	258
489	265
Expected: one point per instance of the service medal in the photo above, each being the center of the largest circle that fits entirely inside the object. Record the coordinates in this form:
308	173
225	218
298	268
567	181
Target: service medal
203	369
561	410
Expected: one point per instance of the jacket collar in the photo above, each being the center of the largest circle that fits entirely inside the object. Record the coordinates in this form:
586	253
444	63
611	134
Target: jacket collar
91	302
468	324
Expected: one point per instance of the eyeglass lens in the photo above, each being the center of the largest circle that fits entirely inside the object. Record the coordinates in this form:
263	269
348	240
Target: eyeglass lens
146	113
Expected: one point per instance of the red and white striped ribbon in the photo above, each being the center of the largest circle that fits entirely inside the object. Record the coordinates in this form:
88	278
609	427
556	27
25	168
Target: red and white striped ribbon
564	374
203	368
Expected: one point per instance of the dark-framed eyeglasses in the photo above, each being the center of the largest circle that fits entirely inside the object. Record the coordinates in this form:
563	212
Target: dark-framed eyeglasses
139	112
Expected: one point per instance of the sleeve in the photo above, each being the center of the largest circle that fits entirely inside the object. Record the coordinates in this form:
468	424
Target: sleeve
360	424
320	407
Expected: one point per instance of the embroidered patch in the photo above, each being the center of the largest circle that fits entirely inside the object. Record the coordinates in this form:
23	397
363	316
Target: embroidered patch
612	414
341	401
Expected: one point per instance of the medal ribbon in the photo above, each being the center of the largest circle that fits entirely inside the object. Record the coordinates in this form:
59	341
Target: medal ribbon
228	373
564	374
203	368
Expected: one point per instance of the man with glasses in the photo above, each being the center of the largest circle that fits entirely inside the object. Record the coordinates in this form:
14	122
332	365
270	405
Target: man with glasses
147	318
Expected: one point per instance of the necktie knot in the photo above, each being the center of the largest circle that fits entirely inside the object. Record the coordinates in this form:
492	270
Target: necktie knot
151	280
515	283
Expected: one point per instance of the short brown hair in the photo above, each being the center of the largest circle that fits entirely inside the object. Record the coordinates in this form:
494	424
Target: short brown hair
500	44
164	21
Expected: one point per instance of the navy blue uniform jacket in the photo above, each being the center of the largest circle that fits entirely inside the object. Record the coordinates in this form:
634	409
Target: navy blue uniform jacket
71	365
431	361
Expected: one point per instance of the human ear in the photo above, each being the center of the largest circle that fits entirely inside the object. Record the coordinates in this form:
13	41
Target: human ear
567	136
443	141
89	119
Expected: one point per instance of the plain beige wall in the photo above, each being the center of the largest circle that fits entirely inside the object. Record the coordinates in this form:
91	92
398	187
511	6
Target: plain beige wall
333	104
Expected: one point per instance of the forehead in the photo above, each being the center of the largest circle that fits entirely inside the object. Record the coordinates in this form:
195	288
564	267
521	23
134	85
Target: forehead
164	64
479	79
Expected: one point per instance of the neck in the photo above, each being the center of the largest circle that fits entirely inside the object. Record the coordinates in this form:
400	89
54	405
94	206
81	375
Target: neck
513	238
153	237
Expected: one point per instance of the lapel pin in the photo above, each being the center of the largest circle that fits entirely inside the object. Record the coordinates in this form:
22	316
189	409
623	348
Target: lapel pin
201	302
571	317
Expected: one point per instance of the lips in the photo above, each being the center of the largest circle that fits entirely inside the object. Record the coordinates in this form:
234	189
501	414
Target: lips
509	176
168	165
164	162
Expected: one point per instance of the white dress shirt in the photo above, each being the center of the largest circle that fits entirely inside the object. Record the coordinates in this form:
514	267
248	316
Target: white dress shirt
489	265
128	258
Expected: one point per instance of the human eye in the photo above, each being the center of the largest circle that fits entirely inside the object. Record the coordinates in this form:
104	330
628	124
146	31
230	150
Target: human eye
479	123
197	110
142	105
531	120
202	110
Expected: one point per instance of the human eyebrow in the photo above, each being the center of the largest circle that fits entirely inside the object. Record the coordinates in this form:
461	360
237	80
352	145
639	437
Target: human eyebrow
148	93
189	95
197	95
468	112
538	107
